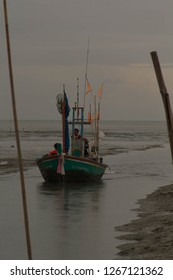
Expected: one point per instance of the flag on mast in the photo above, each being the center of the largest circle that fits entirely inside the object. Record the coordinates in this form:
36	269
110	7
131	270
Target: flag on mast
89	117
100	91
88	87
98	112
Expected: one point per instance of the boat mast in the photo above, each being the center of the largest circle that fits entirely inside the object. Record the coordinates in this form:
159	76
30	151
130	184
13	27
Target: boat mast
63	120
97	133
77	98
86	72
95	124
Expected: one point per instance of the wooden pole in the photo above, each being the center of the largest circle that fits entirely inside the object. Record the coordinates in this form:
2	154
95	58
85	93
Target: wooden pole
98	120
96	130
63	120
86	72
165	98
26	221
77	98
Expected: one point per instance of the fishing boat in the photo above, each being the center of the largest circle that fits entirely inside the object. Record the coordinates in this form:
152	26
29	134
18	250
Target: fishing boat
75	159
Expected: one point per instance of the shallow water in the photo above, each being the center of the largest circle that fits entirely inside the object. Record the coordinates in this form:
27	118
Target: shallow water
77	221
38	137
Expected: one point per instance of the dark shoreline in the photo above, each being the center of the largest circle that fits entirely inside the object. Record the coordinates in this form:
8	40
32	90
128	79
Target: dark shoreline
151	235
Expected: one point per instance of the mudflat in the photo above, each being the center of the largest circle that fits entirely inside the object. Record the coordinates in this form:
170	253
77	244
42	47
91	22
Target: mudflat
150	236
11	165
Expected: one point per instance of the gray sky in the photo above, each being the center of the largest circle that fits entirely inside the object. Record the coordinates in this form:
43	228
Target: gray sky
49	46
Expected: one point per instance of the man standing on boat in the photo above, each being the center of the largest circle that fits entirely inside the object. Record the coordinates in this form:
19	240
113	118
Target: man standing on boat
76	135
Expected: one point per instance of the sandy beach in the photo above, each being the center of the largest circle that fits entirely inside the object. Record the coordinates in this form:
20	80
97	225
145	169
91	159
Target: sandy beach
151	235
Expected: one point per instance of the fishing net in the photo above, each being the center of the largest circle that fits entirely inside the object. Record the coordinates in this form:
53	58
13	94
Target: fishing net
59	102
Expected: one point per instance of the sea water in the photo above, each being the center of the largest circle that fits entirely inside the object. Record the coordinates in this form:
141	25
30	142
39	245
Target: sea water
77	221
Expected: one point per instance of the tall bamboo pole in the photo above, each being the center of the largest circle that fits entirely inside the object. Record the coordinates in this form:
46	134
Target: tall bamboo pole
165	98
26	221
96	128
63	120
77	98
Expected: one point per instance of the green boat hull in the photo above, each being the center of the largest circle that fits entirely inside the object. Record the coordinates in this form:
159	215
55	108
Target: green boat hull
71	168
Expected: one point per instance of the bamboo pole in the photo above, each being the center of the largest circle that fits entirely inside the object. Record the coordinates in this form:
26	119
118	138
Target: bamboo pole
86	72
63	120
165	98
26	221
96	128
77	98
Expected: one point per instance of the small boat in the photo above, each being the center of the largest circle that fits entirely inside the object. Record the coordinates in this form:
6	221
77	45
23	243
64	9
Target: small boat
75	169
73	160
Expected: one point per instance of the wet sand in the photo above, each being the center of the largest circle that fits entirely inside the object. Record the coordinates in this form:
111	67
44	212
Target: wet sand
11	165
150	236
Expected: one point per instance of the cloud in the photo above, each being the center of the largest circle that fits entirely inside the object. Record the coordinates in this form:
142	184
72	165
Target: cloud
49	44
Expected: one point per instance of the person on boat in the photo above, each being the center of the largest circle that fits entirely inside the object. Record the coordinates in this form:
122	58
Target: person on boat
76	135
55	151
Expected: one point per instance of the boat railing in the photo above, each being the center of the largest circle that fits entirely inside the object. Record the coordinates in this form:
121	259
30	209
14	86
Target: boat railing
77	147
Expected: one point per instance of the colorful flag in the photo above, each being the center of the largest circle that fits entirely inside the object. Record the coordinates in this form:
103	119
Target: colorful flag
92	118
88	87
100	91
89	117
66	128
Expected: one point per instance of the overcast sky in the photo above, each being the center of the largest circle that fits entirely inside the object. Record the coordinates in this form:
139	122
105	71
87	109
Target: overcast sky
49	46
